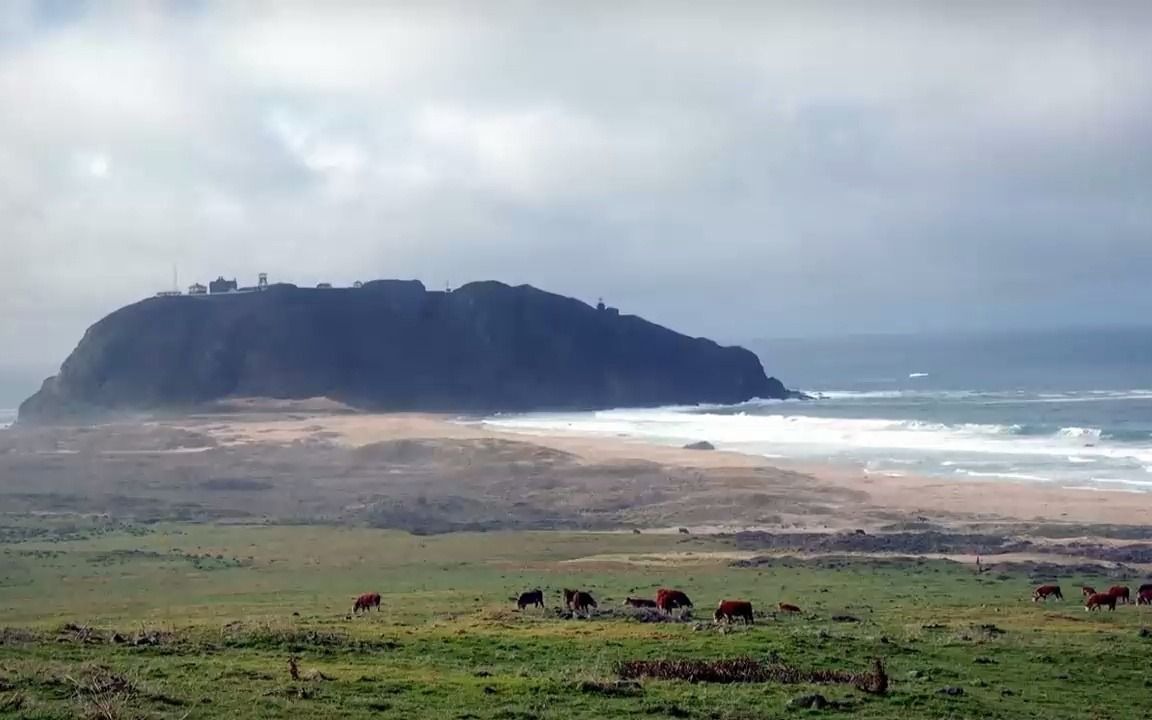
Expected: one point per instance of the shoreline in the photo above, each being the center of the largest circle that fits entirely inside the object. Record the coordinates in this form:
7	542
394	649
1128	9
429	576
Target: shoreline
1014	500
942	499
439	471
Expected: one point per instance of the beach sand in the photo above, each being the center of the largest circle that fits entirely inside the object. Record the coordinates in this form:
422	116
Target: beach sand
853	496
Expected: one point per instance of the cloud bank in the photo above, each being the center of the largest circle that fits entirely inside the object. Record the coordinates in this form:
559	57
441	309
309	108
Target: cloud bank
732	169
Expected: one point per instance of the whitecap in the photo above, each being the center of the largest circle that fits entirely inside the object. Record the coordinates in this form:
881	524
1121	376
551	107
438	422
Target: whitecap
1003	475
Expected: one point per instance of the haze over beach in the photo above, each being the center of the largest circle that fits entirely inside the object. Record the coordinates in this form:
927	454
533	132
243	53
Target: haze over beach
535	361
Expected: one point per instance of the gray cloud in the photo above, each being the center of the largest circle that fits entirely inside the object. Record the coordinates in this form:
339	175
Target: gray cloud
736	169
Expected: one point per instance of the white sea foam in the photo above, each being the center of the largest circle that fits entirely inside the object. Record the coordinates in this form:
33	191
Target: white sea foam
1080	433
1002	475
1123	481
972	450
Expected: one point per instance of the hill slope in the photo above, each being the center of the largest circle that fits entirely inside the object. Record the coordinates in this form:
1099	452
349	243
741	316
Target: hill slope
391	345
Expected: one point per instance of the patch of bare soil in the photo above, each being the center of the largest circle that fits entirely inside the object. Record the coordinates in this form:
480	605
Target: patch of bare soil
297	463
332	469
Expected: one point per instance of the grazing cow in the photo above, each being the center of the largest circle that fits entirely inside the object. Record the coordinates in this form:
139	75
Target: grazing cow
1047	591
532	597
366	602
788	607
640	602
729	610
669	600
1121	593
1099	600
1087	590
1146	587
1144	597
684	531
582	602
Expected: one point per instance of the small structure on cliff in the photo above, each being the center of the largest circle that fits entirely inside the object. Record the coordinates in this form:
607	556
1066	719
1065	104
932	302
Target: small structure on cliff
220	285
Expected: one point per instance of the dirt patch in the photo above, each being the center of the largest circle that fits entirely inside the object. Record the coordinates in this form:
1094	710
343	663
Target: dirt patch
905	543
235	484
750	670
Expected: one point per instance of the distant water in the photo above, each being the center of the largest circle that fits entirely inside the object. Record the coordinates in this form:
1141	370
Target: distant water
1070	408
7	417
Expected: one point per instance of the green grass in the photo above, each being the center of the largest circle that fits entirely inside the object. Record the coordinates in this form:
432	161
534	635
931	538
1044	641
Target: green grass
234	603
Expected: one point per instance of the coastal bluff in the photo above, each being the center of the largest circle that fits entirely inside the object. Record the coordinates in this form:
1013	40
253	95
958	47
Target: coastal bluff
391	345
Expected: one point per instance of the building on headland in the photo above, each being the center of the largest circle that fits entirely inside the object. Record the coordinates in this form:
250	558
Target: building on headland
223	286
220	285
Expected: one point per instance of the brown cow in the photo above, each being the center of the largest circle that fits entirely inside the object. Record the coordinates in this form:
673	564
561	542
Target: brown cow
582	602
1099	600
1121	593
730	610
1146	587
788	607
531	597
366	602
1144	597
568	596
640	602
1046	591
1087	590
669	600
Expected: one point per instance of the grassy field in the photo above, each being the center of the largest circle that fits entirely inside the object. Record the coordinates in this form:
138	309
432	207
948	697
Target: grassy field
221	609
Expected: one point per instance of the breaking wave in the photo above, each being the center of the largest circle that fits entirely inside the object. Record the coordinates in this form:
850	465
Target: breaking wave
1036	450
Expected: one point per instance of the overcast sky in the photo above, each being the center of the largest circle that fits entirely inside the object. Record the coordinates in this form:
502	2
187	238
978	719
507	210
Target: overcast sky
731	169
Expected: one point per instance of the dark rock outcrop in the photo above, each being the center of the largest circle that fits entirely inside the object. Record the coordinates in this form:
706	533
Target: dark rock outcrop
391	345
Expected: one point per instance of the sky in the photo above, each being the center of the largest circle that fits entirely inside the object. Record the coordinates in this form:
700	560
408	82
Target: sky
736	170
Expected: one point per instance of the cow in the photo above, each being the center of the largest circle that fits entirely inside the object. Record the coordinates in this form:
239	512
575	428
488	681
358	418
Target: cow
531	597
366	602
1046	591
1088	591
1099	600
669	600
582	602
1121	593
787	607
1146	587
729	610
1144	597
640	602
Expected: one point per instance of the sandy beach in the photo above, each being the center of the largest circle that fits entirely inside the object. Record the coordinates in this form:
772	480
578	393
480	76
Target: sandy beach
317	461
871	494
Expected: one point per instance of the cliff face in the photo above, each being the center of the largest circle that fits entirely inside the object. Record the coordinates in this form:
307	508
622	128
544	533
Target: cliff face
391	345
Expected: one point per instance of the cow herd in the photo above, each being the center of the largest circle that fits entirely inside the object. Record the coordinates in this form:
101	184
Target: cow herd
669	601
1094	600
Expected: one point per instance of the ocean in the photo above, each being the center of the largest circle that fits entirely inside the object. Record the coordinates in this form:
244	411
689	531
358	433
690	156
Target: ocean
1072	408
7	417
